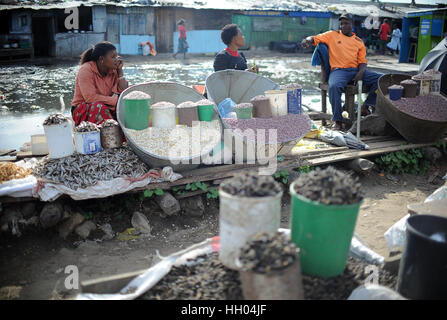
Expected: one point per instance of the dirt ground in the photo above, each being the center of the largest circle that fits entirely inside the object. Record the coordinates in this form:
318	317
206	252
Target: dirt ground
36	261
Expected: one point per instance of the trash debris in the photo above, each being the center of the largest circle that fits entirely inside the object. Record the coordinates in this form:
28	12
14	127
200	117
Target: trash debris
128	234
85	229
108	231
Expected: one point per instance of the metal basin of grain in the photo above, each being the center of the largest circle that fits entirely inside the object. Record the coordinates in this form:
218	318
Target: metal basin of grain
411	128
162	91
241	87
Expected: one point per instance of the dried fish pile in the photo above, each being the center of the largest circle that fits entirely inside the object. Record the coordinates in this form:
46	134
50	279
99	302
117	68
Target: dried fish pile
10	171
329	186
341	287
109	123
81	171
265	252
86	126
206	279
251	185
56	118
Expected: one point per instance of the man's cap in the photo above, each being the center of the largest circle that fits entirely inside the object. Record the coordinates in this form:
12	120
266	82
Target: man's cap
347	16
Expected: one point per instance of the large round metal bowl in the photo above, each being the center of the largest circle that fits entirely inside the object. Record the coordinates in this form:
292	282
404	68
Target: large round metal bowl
241	87
412	129
162	91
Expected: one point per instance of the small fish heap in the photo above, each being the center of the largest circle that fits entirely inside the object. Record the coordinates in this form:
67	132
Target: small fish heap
81	171
109	123
204	278
329	186
268	252
252	185
86	126
56	118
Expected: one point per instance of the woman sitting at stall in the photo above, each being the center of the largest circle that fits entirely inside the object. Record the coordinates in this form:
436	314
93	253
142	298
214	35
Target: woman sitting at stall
231	58
99	83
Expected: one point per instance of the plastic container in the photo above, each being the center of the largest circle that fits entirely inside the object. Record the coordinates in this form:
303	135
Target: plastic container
436	82
59	139
323	233
136	113
163	115
294	98
39	146
410	88
111	137
225	107
278	102
396	92
88	142
283	284
244	110
187	113
241	218
261	107
422	271
205	112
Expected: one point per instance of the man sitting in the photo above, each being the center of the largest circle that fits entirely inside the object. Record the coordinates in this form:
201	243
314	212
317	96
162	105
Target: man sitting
347	59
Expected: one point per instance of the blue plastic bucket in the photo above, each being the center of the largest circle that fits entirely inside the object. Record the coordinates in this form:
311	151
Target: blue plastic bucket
225	107
396	93
294	98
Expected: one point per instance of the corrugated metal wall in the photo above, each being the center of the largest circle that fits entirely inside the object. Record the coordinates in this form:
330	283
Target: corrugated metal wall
267	29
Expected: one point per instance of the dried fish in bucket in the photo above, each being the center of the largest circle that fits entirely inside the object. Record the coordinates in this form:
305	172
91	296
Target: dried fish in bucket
56	118
86	126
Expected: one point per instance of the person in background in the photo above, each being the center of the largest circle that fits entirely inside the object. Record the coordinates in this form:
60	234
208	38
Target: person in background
231	58
384	31
182	43
414	34
99	82
394	44
347	59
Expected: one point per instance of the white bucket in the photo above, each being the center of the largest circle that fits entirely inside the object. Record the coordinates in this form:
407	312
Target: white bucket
59	140
278	102
39	146
88	142
164	117
242	217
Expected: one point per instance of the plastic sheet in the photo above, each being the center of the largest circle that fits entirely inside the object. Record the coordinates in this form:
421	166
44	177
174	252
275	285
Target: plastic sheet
374	292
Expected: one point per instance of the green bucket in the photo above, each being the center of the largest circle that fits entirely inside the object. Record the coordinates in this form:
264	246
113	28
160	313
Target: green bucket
205	112
323	233
136	113
244	113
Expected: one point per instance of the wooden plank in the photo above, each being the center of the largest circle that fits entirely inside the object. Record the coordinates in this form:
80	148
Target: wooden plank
366	153
26	154
17	200
8	158
7	151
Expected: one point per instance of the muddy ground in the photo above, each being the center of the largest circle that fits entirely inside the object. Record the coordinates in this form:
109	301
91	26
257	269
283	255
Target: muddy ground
37	259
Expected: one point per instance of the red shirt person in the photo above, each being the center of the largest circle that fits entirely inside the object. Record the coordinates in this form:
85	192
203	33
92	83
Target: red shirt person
182	43
384	31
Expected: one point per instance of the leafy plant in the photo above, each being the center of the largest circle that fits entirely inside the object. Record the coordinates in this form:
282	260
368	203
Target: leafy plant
305	169
88	215
213	193
282	176
196	185
149	193
404	161
442	145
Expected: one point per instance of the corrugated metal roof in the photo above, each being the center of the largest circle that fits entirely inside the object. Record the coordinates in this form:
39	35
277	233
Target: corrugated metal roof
353	7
